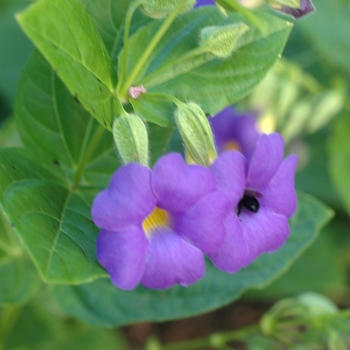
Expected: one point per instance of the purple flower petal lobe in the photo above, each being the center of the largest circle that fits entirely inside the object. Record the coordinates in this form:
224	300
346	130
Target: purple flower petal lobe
126	201
280	195
123	255
172	260
177	185
265	161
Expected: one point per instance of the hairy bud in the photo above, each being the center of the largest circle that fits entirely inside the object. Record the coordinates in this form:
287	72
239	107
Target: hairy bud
131	138
221	40
196	132
162	8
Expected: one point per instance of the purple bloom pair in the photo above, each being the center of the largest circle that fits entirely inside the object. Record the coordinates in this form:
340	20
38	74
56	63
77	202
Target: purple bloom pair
158	224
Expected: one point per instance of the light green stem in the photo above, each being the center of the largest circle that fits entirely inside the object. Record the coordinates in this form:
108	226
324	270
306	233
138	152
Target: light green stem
149	49
79	173
249	15
164	97
123	59
162	73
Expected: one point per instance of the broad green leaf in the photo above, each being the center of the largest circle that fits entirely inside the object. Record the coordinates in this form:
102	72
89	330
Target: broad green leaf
51	219
328	30
18	276
15	49
339	159
50	120
118	307
212	83
71	43
109	16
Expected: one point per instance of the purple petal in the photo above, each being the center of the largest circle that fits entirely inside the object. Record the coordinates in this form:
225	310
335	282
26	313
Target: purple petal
202	225
306	7
127	200
123	255
177	185
201	3
229	170
265	161
266	231
280	195
172	260
232	255
230	125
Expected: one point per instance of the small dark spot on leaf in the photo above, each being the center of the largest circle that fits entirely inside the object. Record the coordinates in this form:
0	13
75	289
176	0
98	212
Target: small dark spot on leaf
100	88
56	162
76	99
13	168
12	224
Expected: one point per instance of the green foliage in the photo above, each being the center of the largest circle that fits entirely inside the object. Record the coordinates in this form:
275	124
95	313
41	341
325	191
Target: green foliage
172	69
70	41
216	289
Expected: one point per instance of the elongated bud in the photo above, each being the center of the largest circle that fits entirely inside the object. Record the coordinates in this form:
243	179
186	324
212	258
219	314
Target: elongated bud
294	8
221	40
196	133
162	8
131	138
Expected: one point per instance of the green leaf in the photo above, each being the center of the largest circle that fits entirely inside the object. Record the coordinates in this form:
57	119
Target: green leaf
339	159
51	219
18	276
328	30
51	121
109	18
18	47
118	307
70	41
200	79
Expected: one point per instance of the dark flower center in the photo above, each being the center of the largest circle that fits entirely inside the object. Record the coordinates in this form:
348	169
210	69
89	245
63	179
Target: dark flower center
249	202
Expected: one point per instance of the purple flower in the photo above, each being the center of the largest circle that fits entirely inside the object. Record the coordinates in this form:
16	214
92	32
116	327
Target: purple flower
235	130
306	7
201	3
262	197
156	224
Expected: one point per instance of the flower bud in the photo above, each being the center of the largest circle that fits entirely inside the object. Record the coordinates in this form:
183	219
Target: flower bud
294	8
131	138
196	132
162	8
221	40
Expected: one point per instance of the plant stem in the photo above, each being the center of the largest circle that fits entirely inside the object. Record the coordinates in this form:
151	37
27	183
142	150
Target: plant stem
249	15
160	96
149	49
79	173
162	73
122	69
